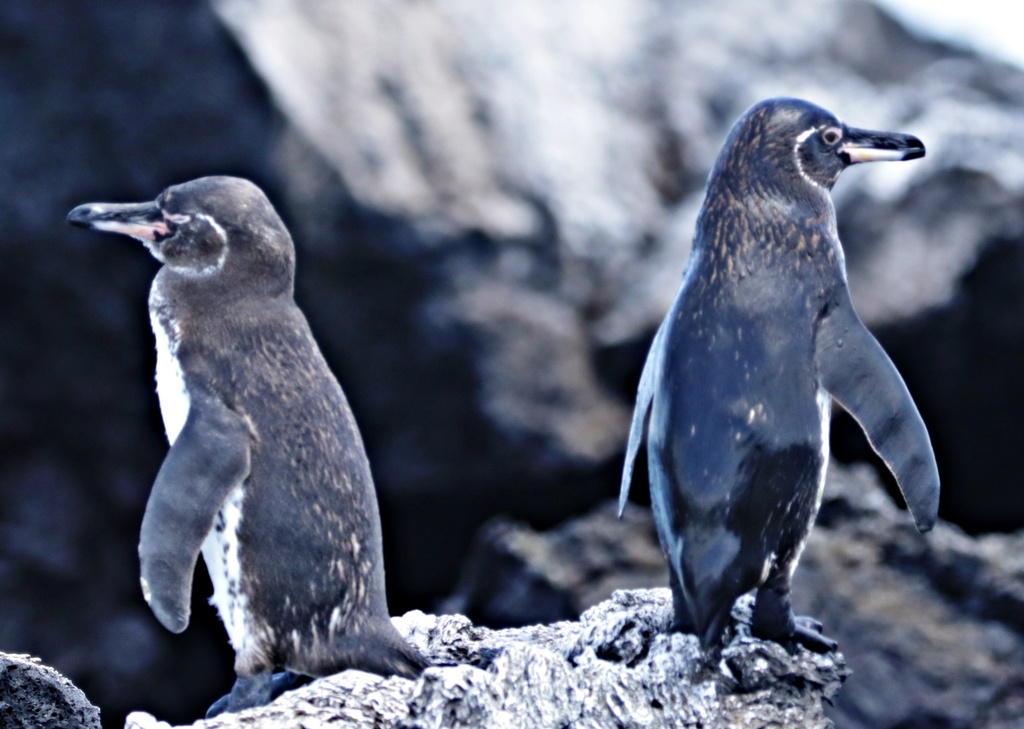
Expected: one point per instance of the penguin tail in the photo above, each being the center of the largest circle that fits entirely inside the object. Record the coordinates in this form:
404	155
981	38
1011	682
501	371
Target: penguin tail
380	650
407	661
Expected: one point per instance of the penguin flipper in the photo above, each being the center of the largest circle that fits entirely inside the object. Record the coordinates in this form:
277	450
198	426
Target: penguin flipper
644	398
855	369
208	459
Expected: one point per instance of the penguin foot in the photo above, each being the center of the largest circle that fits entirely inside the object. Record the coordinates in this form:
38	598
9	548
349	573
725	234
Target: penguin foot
250	691
773	619
808	623
799	631
286	681
807	632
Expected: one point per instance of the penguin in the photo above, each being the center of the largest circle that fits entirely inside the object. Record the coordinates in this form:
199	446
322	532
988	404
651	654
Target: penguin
266	475
735	395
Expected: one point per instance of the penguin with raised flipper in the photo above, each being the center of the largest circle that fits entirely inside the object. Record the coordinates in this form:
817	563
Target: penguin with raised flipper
266	476
736	392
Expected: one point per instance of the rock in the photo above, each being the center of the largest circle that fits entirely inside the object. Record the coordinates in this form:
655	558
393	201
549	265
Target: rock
516	576
931	624
34	696
616	666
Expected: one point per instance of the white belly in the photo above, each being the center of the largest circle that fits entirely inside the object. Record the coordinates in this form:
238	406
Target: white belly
170	381
220	548
220	552
825	410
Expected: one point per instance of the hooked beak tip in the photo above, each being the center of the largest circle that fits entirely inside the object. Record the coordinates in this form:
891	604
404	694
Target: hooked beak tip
80	217
914	148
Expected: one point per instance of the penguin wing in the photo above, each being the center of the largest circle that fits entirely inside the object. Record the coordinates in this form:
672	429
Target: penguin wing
208	459
855	369
644	398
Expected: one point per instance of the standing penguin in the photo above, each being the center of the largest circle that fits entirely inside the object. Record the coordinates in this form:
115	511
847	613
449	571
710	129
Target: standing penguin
735	395
266	474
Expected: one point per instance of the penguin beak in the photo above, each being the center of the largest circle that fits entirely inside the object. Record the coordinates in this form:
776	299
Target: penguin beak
863	145
144	221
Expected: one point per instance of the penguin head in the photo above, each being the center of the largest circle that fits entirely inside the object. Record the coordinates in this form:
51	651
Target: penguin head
204	229
791	145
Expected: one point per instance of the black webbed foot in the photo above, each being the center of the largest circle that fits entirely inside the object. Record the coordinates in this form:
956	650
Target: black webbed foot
795	631
773	619
807	632
250	691
286	681
807	622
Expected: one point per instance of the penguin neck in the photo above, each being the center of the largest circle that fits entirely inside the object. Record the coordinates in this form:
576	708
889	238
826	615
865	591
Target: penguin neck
746	225
179	303
181	292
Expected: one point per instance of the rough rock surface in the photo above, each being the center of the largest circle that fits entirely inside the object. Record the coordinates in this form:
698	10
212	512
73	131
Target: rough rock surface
34	696
616	667
932	625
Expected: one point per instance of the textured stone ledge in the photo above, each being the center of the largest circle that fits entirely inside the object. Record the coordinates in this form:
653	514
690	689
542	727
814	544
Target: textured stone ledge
34	696
617	666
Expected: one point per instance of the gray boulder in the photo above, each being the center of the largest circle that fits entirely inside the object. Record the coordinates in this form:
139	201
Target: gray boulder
932	625
34	696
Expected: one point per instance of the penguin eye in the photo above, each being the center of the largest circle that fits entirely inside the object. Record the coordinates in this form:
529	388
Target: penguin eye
832	135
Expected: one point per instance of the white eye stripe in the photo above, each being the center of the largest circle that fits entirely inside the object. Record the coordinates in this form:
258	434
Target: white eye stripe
182	218
802	137
824	129
215	225
796	157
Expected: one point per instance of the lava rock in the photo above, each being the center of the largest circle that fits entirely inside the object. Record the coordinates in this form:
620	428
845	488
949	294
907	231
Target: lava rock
34	696
515	576
616	666
931	624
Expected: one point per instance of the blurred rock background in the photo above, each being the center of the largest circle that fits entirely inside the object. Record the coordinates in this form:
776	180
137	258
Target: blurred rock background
493	204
